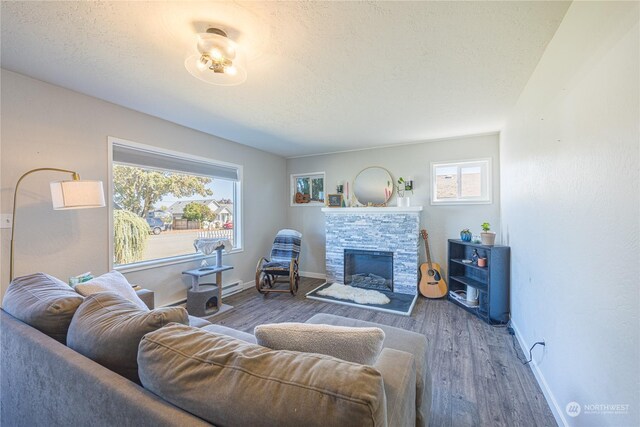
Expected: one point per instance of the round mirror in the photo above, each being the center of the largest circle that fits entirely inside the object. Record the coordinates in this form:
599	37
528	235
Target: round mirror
373	186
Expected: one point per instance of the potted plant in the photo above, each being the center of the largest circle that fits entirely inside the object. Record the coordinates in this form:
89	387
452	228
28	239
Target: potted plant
487	236
465	235
402	186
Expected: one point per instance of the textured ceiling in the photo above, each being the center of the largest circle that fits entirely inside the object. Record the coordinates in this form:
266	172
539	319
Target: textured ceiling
322	76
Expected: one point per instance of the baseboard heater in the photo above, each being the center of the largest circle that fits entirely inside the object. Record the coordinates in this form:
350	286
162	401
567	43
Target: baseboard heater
232	288
227	290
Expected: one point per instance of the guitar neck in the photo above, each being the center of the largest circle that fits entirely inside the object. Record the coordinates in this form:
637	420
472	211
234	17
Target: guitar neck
425	236
426	246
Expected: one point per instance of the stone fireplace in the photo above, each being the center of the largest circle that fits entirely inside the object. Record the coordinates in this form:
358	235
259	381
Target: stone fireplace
394	231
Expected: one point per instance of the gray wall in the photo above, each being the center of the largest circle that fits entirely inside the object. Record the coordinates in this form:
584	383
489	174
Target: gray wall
442	222
570	212
46	125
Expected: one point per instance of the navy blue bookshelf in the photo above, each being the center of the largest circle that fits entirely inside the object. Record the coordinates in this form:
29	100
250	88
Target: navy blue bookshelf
492	281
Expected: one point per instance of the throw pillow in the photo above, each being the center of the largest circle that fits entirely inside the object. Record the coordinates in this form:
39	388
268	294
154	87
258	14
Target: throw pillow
358	345
43	302
113	281
107	329
229	382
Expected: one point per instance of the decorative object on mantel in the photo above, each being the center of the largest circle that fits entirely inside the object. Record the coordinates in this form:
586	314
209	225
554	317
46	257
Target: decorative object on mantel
465	235
349	203
351	293
488	237
74	194
402	186
373	186
334	200
339	187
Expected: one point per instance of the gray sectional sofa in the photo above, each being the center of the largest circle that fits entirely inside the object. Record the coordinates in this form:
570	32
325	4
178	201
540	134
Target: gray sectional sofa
211	373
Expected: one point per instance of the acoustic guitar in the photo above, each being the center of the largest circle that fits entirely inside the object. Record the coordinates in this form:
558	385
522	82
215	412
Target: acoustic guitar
432	284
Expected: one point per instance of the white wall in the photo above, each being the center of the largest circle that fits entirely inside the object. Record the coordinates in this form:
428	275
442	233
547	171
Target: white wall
570	212
46	125
442	222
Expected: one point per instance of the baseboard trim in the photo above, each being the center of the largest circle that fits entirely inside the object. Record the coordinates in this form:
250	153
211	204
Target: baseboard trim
252	284
556	409
313	275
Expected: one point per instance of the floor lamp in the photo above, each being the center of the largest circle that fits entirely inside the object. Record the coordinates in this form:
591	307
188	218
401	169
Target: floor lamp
74	194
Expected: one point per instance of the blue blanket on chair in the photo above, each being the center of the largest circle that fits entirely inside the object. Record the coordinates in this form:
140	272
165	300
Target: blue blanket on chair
286	246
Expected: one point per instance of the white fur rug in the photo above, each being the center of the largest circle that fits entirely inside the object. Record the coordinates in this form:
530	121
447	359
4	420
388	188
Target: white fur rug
361	296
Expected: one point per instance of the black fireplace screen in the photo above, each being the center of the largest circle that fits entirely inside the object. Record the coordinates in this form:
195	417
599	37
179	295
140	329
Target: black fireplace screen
368	269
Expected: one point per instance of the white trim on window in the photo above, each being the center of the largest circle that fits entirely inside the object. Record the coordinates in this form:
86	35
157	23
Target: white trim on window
179	259
292	188
485	184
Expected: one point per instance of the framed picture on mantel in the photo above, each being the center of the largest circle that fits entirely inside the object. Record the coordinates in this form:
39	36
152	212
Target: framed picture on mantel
334	200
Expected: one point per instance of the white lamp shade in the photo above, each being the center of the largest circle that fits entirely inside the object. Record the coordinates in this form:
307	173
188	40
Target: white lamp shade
77	194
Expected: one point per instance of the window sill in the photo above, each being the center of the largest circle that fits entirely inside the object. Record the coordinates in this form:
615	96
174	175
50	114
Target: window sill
164	262
462	202
316	204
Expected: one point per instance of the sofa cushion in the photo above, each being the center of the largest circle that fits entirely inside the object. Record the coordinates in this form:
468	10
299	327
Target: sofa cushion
43	302
234	333
398	339
229	382
107	329
357	345
113	281
198	322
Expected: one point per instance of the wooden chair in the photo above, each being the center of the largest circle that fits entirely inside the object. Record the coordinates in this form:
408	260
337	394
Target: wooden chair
283	265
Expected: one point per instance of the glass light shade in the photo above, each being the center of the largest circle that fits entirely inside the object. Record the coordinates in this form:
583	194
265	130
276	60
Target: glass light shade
220	79
77	194
218	48
216	45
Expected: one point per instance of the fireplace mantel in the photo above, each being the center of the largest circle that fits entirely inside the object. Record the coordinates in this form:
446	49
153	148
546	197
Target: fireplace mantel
387	210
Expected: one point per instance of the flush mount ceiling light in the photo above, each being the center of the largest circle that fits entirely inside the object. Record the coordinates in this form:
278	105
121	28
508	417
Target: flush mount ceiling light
218	60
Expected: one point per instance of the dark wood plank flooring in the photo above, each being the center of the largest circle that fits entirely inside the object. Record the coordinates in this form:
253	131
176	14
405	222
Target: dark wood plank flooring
477	378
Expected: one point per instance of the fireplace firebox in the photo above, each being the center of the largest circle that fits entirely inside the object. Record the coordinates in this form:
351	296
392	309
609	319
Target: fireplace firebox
368	269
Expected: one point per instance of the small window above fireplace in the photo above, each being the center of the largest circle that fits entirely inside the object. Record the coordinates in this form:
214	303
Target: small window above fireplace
307	189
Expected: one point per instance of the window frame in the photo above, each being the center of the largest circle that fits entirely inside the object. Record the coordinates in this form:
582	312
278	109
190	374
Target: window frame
178	259
486	181
292	188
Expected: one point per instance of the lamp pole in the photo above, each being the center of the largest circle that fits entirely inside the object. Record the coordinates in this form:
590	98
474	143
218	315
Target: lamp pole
76	177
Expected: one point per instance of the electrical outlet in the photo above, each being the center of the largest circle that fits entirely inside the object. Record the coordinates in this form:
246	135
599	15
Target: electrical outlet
6	220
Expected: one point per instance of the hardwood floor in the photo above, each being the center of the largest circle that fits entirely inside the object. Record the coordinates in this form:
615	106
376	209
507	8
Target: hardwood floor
477	378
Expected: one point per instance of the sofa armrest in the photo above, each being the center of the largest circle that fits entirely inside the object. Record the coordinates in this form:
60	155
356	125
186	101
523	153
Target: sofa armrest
45	383
399	374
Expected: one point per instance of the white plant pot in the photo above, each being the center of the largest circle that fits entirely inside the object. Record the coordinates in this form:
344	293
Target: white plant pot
488	238
403	202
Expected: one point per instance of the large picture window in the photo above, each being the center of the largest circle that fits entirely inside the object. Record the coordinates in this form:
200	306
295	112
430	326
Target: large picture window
163	201
464	182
